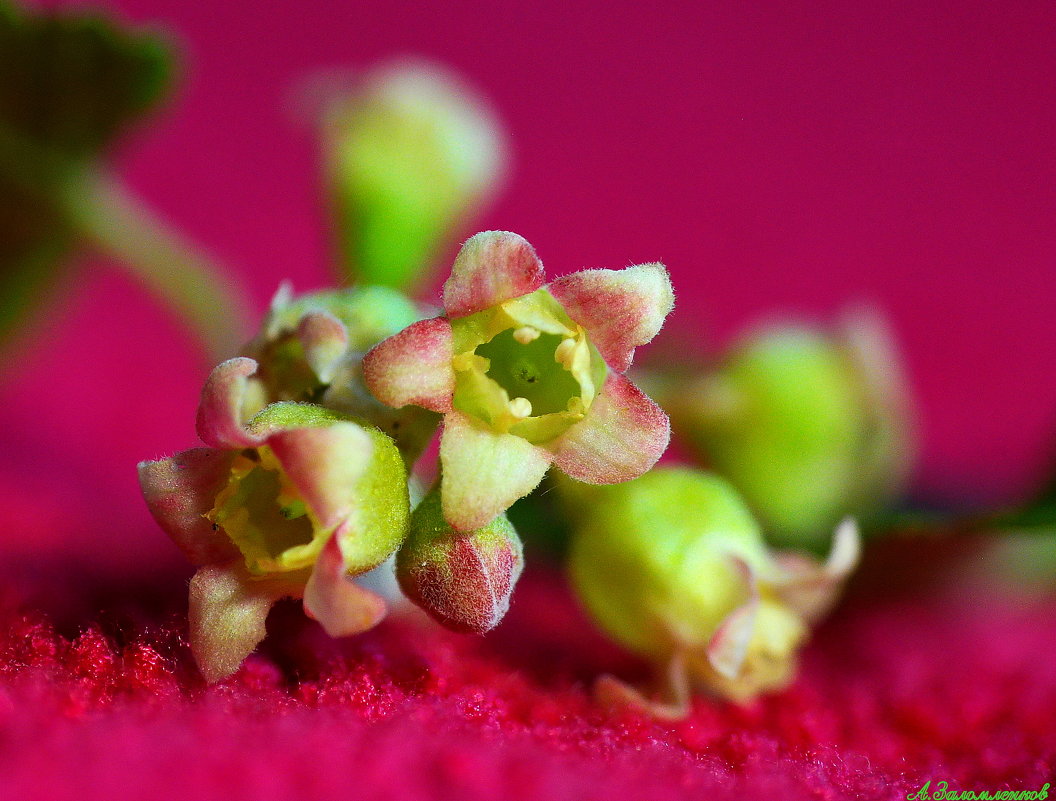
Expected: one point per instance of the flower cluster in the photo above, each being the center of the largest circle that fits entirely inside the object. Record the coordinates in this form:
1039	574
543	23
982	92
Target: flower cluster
311	435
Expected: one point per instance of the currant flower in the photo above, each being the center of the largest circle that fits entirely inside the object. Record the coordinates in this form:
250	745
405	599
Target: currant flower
674	567
527	376
291	503
310	348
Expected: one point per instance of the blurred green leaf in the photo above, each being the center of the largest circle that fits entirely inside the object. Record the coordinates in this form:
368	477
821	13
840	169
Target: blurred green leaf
69	85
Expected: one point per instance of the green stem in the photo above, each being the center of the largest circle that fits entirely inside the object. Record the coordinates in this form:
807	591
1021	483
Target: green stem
116	222
1033	519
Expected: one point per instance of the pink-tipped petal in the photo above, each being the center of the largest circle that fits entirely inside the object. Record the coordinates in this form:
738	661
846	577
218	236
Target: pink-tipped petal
483	472
811	588
414	367
324	339
728	647
616	694
220	410
622	436
342	607
491	268
226	616
282	298
179	491
620	309
325	465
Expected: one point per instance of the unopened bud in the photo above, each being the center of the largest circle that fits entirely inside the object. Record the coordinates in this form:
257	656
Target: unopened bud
464	581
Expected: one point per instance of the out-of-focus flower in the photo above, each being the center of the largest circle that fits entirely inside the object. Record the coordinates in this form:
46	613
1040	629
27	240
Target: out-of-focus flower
527	375
289	504
409	155
463	580
310	349
810	426
674	567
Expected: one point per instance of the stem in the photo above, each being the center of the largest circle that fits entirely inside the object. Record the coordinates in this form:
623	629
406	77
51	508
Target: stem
1032	519
115	221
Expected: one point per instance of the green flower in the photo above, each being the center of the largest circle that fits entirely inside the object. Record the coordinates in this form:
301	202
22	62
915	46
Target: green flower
290	504
674	567
810	426
310	348
410	154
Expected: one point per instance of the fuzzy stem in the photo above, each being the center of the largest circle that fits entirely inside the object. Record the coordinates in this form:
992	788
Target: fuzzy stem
117	223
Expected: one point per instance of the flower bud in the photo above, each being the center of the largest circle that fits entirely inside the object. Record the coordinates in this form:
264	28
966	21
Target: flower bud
673	566
463	580
310	348
409	155
809	426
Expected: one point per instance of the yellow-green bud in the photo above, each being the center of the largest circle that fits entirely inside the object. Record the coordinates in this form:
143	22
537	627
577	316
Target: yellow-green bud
809	426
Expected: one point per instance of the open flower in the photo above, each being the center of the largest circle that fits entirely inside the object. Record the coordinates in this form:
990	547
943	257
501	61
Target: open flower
290	504
527	376
674	567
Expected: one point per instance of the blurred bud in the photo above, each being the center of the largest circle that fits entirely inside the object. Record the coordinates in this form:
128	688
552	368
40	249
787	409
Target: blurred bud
673	566
310	349
462	580
809	426
409	155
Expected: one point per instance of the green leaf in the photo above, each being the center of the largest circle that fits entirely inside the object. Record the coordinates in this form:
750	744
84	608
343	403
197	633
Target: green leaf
70	84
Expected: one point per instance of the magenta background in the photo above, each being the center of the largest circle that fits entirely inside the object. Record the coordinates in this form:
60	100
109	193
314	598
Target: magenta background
774	157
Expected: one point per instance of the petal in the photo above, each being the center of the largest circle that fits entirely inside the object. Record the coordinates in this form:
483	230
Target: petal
811	588
676	704
620	309
220	412
728	647
492	267
179	491
414	367
622	436
483	472
342	607
325	465
226	616
324	339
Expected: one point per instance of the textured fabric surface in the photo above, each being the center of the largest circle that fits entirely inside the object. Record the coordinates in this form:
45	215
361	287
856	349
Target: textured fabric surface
99	699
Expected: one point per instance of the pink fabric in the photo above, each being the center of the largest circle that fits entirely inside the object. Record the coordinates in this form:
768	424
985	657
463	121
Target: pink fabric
894	692
773	156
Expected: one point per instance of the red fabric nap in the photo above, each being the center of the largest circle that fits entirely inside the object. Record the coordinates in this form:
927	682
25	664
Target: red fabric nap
99	700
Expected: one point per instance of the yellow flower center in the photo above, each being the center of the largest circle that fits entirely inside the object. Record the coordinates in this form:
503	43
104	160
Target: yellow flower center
264	516
525	368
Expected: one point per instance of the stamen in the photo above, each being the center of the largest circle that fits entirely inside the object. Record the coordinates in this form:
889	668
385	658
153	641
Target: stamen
521	408
565	353
463	362
526	334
